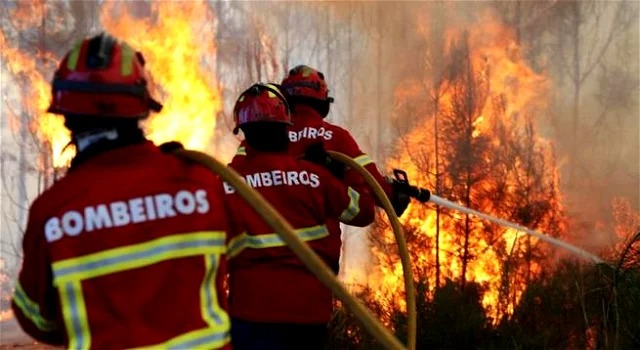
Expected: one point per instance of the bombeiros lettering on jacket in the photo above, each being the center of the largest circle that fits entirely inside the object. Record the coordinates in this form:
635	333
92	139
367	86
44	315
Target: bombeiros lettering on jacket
278	178
131	211
310	133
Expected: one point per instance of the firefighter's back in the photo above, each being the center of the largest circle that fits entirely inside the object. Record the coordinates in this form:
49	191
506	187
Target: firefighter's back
268	282
275	301
137	238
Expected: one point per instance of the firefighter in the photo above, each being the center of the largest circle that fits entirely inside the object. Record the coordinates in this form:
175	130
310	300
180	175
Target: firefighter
310	135
275	302
128	249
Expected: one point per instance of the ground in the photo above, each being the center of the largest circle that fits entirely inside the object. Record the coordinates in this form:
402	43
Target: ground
12	337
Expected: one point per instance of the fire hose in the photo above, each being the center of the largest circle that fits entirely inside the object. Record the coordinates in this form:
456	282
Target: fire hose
405	259
301	249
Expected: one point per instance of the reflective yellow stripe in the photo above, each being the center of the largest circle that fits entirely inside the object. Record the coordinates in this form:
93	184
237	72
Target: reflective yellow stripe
126	63
270	240
241	151
206	338
138	255
211	312
72	61
31	310
75	315
354	206
363	160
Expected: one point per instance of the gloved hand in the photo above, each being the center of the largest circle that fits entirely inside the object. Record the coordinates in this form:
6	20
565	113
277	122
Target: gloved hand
170	146
317	154
399	200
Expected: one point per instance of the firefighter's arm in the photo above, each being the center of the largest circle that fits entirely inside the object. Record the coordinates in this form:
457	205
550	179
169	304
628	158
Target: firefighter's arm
399	200
35	300
347	204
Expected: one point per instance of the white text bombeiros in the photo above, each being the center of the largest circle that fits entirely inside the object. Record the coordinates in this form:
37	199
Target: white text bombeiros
310	133
131	211
278	178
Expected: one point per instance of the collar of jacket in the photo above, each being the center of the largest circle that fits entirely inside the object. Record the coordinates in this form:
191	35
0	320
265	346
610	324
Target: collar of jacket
252	152
301	111
112	156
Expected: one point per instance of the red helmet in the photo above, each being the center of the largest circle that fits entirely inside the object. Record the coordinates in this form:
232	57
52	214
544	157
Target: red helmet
304	81
261	103
102	77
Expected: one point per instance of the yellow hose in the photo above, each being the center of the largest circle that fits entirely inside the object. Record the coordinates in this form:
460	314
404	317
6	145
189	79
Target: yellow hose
402	243
301	249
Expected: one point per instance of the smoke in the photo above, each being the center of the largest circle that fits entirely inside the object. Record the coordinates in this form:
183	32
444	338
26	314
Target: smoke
383	51
374	53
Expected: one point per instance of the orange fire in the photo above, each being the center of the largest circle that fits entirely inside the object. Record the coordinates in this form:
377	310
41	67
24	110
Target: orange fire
178	43
490	158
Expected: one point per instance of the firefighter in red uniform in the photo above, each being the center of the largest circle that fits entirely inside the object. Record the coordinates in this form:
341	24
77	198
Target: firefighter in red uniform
275	302
310	135
128	249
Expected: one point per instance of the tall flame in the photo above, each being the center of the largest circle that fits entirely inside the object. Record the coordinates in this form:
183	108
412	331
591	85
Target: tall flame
490	158
178	44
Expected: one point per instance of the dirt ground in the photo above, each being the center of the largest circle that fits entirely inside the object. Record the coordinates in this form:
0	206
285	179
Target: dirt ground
12	337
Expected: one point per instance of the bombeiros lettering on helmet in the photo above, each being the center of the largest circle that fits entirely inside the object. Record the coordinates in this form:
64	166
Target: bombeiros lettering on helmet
278	178
310	133
127	212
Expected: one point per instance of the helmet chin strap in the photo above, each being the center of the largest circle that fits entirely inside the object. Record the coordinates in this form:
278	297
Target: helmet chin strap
88	138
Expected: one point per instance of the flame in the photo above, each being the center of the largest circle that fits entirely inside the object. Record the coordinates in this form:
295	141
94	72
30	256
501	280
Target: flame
178	43
508	95
179	47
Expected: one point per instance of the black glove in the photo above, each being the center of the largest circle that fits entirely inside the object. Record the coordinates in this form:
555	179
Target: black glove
170	146
317	154
399	199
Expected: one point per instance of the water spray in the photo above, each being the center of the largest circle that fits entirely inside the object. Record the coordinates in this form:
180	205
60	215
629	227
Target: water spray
423	196
557	242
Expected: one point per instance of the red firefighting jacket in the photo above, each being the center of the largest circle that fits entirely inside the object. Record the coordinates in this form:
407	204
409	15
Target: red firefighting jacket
128	250
267	282
309	127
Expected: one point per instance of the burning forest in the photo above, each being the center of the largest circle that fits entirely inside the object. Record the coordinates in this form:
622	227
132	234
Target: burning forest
528	118
478	144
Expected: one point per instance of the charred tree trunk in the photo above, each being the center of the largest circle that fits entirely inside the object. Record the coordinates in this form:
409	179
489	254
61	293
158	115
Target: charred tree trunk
576	91
468	110
350	84
467	231
437	187
379	84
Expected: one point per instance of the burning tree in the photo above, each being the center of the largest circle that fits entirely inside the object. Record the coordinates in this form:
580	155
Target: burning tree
490	158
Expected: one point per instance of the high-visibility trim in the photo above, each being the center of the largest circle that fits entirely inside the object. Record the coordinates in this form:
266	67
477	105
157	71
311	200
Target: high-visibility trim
211	312
241	151
206	338
363	160
31	310
138	255
74	311
354	206
270	240
126	64
72	61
